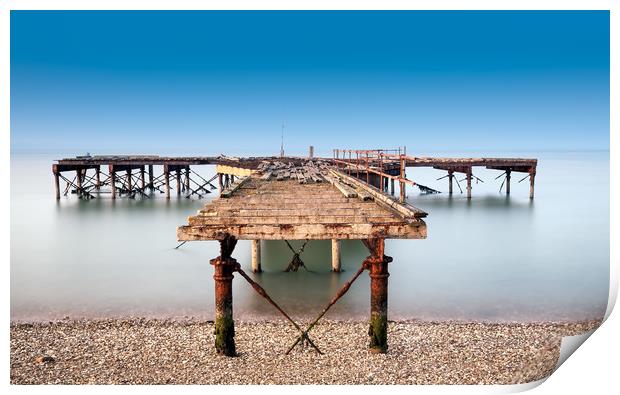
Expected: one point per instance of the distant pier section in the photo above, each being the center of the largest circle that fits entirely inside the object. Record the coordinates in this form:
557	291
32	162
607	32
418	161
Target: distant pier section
143	175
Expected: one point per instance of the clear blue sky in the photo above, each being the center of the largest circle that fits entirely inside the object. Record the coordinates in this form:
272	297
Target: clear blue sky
212	82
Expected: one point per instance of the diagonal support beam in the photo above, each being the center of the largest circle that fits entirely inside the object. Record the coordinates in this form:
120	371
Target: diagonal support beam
338	295
296	261
261	291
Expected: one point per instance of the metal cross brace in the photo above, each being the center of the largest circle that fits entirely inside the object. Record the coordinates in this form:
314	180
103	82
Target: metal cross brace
261	291
296	261
340	293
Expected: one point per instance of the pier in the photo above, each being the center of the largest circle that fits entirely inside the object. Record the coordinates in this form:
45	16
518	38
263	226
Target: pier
350	196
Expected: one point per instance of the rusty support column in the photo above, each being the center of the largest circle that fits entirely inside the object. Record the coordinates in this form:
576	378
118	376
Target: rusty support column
468	176
450	177
78	178
187	179
403	195
224	267
336	264
97	178
151	178
532	176
220	182
112	180
392	187
56	182
142	178
367	170
507	182
378	327
178	177
167	180
256	257
129	186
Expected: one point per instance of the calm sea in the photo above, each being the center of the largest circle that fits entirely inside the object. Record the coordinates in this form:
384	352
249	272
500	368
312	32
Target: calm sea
494	258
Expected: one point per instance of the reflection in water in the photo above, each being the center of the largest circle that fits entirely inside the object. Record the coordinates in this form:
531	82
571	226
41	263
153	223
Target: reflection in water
492	258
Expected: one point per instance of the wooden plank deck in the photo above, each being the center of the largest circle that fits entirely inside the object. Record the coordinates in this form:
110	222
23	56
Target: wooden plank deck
262	209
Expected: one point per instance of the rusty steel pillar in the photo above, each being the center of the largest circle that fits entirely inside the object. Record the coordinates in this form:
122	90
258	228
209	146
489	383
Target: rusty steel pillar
450	177
392	187
507	182
178	177
151	186
187	179
98	178
78	179
468	182
112	180
142	179
224	267
336	263
129	184
532	176
378	327
256	257
167	180
220	181
56	182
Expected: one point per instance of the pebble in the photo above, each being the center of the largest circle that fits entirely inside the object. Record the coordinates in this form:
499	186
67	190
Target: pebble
146	351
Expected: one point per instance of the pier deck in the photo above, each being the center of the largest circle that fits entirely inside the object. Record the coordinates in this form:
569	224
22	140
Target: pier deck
280	210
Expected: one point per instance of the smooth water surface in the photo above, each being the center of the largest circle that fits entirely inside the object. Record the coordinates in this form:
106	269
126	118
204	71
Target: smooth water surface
493	258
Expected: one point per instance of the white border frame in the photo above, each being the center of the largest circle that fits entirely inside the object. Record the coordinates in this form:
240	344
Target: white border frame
594	368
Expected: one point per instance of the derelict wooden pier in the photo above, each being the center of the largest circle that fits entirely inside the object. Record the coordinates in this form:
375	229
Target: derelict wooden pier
317	203
350	196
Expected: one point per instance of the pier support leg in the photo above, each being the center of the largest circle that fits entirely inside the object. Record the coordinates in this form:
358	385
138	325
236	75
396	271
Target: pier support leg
57	185
98	178
224	267
392	187
377	330
187	179
450	177
78	178
256	257
507	182
532	176
113	180
151	178
129	184
220	181
336	256
142	179
178	176
469	183
167	180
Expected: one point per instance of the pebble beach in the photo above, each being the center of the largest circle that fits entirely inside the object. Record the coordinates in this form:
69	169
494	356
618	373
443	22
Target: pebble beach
146	351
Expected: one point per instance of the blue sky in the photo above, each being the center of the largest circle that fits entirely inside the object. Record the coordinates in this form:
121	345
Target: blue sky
223	82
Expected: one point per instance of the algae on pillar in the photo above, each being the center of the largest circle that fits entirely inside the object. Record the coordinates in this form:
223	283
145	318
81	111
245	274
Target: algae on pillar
224	266
378	327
